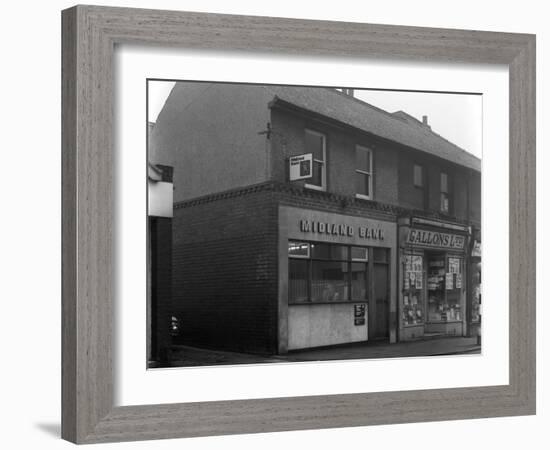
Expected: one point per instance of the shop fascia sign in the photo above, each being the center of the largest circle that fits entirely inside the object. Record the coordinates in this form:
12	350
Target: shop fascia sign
341	229
427	238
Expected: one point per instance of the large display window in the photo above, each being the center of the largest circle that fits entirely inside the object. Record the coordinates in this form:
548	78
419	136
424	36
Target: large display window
413	288
438	278
325	273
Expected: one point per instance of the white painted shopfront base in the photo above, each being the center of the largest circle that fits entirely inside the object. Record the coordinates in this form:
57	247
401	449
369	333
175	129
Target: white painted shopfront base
323	324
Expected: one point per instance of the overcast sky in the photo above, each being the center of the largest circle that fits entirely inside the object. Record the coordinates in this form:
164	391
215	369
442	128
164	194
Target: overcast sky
456	117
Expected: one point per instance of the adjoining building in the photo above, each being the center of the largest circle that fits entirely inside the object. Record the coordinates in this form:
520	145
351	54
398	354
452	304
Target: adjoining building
376	242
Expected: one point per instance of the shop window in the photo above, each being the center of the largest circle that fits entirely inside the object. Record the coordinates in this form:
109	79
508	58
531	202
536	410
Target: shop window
329	281
359	254
329	251
380	255
363	172
444	205
453	287
418	176
323	273
413	285
476	292
315	143
359	283
298	280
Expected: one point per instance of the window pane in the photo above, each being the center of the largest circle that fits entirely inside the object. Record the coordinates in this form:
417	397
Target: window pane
298	249
360	253
359	281
362	183
329	252
362	156
444	182
314	144
317	178
418	178
297	280
329	281
380	255
444	202
320	251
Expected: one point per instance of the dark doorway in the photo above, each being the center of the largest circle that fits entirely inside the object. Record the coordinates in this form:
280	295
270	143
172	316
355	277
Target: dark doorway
379	304
382	303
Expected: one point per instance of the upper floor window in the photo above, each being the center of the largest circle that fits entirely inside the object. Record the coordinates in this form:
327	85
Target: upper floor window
444	204
363	172
418	176
315	143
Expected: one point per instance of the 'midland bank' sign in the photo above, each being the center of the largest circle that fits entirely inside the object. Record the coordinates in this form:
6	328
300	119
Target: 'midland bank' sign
341	229
435	239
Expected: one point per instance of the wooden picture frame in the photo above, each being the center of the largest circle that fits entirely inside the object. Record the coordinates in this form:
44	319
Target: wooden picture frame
89	36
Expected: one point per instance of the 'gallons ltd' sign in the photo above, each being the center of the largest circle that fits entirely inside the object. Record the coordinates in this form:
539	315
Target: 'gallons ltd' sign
435	239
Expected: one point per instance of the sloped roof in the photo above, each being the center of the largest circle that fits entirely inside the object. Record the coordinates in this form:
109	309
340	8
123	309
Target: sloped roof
396	127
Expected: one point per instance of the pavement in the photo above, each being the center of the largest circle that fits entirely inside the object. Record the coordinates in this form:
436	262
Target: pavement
187	356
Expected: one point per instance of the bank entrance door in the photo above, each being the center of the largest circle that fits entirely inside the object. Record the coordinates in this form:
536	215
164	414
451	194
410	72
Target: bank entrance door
380	306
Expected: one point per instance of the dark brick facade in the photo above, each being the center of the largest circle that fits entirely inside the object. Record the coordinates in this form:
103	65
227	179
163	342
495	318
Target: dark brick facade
225	271
160	254
392	167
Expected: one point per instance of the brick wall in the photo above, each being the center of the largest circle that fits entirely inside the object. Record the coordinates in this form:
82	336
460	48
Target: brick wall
209	132
393	166
225	272
459	187
464	187
341	142
475	197
409	195
160	235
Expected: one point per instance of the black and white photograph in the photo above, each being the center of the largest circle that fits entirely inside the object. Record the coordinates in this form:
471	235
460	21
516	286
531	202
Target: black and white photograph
290	224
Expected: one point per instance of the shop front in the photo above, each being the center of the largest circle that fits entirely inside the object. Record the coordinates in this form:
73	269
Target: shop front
432	278
474	290
336	279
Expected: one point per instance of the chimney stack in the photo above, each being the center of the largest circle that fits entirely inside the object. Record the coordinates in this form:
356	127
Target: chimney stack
425	120
346	91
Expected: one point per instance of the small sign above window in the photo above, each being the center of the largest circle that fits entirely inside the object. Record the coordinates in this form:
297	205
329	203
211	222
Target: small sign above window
300	167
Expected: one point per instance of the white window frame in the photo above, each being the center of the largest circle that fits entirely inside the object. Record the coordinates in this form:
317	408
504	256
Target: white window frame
323	186
364	172
365	259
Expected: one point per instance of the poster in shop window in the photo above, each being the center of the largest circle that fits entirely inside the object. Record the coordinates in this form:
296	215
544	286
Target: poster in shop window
449	281
454	265
459	281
